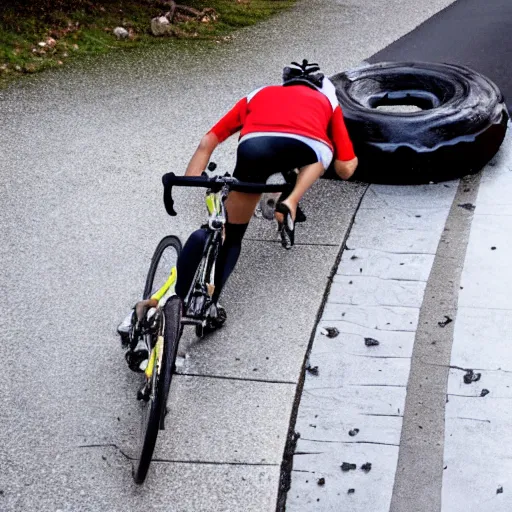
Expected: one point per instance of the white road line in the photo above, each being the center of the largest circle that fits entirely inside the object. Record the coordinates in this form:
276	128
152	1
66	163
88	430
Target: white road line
478	439
352	406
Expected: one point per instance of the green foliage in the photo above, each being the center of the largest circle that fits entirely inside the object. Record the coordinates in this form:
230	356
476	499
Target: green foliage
38	34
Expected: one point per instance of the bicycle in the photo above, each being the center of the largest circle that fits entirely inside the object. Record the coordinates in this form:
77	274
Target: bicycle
158	319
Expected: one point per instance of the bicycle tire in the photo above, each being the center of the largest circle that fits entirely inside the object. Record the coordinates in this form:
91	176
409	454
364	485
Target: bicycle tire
460	127
151	413
154	418
169	241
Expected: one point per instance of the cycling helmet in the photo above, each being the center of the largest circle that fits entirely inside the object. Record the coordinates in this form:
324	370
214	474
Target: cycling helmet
303	74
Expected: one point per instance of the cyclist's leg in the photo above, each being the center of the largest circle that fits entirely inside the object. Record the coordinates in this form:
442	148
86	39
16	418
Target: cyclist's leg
240	208
257	159
189	260
307	176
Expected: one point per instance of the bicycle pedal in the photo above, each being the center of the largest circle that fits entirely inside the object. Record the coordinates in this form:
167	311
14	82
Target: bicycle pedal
143	394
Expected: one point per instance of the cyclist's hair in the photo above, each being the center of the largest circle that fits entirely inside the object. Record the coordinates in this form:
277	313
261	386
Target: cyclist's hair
303	74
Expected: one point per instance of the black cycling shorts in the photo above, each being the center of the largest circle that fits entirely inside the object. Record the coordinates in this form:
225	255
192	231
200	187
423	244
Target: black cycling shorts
259	157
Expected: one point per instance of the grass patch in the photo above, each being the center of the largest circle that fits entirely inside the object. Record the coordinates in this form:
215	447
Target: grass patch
31	41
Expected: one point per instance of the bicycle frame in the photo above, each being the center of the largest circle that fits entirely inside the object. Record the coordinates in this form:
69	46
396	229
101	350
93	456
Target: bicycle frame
161	297
205	273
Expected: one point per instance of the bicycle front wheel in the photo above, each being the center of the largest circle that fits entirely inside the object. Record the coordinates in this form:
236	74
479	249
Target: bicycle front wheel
154	408
164	259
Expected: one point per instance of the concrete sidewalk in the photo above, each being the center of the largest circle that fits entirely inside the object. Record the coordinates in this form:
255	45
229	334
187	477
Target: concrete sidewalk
414	390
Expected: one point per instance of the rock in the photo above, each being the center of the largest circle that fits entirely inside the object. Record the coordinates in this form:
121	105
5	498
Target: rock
470	376
313	370
330	332
120	33
161	26
445	322
367	467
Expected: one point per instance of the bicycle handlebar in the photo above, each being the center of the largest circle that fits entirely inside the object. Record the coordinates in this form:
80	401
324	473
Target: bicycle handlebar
215	183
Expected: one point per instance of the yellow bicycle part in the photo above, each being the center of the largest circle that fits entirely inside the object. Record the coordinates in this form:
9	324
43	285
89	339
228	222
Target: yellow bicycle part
170	282
156	355
213	203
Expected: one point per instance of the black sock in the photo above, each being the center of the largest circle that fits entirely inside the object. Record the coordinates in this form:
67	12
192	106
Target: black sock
189	260
228	255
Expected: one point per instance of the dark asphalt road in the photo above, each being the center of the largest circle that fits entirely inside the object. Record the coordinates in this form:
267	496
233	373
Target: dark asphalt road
475	33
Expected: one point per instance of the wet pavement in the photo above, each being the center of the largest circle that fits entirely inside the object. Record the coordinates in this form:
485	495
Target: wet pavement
83	151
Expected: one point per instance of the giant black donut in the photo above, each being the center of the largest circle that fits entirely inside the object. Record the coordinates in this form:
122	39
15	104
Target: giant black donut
461	126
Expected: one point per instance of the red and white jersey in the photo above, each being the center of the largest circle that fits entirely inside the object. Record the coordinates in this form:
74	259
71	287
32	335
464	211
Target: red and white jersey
292	109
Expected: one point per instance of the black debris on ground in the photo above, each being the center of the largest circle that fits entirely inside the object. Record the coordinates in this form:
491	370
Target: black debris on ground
321	481
484	392
445	322
353	432
330	332
313	370
467	206
471	376
353	257
370	342
348	466
367	467
103	457
351	491
499	490
493	248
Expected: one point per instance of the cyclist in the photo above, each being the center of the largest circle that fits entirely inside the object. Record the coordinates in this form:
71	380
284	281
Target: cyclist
296	125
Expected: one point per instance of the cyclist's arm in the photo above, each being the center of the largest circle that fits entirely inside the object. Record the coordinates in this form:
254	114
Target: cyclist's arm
231	123
202	155
345	168
345	160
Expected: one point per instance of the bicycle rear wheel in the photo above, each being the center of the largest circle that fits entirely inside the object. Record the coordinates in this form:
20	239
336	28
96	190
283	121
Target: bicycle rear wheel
164	259
155	408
